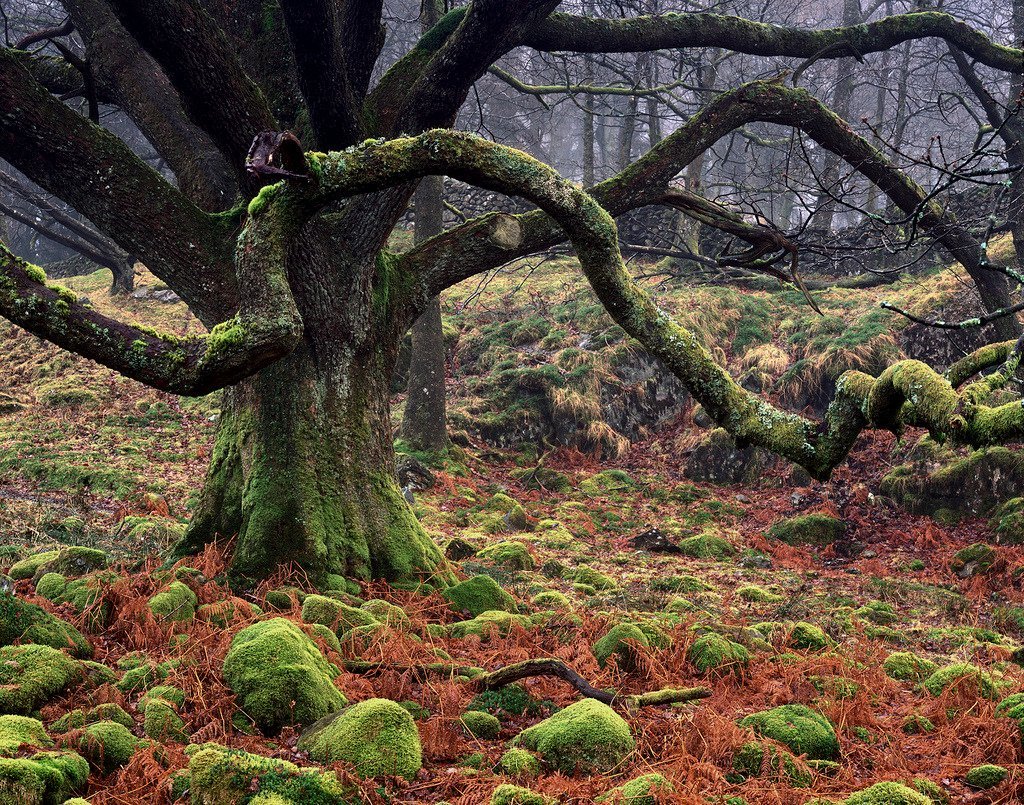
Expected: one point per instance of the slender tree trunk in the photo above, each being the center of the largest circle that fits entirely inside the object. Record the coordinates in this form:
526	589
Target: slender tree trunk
424	423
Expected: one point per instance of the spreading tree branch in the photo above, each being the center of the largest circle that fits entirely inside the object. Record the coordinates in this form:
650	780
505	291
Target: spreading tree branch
660	32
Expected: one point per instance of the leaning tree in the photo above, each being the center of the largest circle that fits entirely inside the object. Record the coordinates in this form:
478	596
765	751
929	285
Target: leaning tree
278	245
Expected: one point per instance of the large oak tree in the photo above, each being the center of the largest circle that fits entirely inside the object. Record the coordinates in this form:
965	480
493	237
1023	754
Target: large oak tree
280	250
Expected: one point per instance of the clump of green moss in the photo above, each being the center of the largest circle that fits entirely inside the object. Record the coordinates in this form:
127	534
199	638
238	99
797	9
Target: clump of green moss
334	614
386	613
985	776
31	675
376	736
607	483
713	652
488	623
507	794
916	724
481	724
587	736
16	731
809	637
509	554
799	727
648	789
28	623
107	745
888	794
877	612
758	595
478	595
908	667
962	674
510	700
78	718
176	603
973	560
44	778
220	776
519	763
280	676
706	546
26	568
161	721
808	529
621	641
551	599
584	574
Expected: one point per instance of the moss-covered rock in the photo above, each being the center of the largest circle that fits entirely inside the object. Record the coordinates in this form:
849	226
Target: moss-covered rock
713	652
607	483
74	560
519	763
758	595
509	700
931	790
334	614
621	642
908	667
488	623
280	676
1008	522
648	789
799	727
480	724
973	560
176	603
478	595
376	736
509	554
107	745
46	778
386	613
551	599
78	718
587	736
31	675
962	674
220	776
808	529
888	794
708	545
985	776
26	568
16	731
507	794
584	574
162	723
27	623
809	637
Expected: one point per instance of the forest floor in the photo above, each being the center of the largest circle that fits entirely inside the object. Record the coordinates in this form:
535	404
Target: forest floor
87	458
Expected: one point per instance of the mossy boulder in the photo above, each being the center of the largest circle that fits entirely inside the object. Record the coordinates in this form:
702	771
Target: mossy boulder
803	730
176	603
31	675
584	574
78	718
162	723
758	595
375	736
708	545
478	595
509	554
519	763
648	789
501	513
220	776
587	736
26	568
16	731
280	676
551	599
888	794
481	724
962	675
621	642
973	560
807	636
386	613
908	667
46	778
489	623
1008	523
808	529
508	794
607	483
74	560
334	614
107	745
28	623
985	776
713	652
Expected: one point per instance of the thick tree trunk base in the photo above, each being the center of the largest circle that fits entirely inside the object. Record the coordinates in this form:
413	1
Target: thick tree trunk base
302	478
